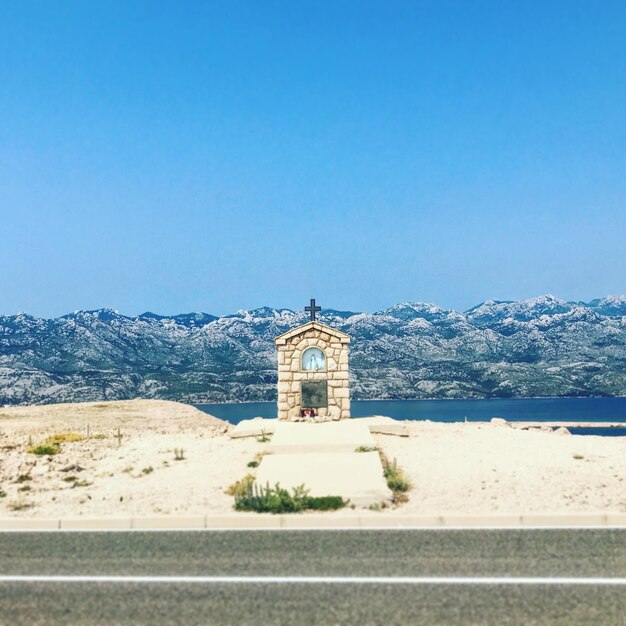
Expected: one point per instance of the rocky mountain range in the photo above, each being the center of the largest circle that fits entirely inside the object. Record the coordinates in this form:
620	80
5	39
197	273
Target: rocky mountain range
539	347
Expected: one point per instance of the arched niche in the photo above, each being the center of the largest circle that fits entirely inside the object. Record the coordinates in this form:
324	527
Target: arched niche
313	360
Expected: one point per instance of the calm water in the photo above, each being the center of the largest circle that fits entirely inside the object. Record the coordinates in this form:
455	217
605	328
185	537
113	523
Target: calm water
525	409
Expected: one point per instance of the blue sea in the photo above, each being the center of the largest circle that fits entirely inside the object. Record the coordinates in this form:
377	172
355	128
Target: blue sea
512	410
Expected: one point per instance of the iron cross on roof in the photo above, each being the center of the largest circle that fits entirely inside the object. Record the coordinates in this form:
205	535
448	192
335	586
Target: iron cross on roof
312	309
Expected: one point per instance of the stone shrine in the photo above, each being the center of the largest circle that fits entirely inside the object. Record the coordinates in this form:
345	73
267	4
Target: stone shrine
313	374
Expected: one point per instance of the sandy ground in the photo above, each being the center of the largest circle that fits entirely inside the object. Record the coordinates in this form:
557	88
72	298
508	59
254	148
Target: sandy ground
138	476
454	468
488	468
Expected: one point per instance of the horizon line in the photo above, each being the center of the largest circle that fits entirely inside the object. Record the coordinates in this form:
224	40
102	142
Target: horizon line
490	301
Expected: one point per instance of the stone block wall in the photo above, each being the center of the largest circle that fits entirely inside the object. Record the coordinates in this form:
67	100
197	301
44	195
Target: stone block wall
290	346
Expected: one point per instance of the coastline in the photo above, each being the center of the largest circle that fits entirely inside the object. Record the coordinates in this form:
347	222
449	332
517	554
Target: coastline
583	410
420	399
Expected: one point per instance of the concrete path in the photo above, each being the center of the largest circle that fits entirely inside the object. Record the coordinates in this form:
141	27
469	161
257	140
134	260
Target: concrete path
357	477
329	459
300	438
383	425
254	427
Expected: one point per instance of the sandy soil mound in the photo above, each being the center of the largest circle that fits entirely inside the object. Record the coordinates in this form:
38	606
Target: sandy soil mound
101	416
96	473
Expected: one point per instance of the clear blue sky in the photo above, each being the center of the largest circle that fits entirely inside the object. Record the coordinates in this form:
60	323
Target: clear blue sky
177	156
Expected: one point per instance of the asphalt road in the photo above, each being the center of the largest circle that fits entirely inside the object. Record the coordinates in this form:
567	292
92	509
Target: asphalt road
398	555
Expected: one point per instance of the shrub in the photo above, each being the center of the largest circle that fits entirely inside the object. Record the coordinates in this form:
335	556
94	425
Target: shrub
253	464
396	479
3	494
147	470
271	500
45	449
279	500
24	488
326	503
367	449
22	478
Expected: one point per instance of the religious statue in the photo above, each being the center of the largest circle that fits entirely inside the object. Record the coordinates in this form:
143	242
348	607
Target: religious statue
313	359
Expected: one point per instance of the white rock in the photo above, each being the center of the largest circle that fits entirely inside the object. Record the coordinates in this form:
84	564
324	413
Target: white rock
499	421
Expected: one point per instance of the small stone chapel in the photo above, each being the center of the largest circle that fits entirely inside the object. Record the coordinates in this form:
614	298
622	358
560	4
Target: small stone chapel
313	374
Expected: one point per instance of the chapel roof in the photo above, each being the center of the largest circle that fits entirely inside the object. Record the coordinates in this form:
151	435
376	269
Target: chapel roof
333	332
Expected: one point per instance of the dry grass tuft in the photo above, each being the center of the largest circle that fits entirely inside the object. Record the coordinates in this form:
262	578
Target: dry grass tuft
241	487
59	438
20	505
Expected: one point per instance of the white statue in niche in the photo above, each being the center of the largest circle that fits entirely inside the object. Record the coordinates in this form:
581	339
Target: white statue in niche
313	359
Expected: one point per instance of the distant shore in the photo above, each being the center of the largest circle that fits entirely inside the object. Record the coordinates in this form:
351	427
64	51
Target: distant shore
243	402
426	399
588	409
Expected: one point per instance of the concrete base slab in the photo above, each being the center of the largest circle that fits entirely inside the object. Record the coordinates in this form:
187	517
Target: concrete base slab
298	437
254	427
357	477
383	425
377	424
